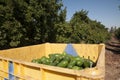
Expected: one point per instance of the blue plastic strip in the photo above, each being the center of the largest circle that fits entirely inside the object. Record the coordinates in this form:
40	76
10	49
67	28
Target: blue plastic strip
70	50
11	70
5	79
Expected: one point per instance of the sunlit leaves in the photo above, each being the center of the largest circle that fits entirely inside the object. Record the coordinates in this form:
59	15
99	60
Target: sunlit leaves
86	30
117	33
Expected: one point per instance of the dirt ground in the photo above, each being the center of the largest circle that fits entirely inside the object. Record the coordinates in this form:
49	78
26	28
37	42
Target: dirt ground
112	63
112	59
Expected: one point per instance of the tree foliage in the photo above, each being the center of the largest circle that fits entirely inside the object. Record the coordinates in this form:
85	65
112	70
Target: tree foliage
87	30
117	33
28	22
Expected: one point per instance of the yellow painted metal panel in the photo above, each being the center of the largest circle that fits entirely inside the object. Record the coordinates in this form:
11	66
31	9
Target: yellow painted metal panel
22	73
1	64
36	51
16	53
5	68
42	74
6	53
32	73
1	69
54	48
52	75
22	53
83	78
19	71
16	68
87	51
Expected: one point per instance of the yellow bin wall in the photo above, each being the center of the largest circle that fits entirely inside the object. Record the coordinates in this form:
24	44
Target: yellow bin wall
15	64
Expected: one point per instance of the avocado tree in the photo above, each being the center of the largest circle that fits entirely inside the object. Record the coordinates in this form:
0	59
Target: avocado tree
86	30
117	33
27	22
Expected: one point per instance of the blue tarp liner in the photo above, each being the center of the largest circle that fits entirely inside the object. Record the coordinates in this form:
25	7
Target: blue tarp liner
70	50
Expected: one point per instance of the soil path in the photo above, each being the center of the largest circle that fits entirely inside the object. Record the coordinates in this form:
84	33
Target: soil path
112	60
112	63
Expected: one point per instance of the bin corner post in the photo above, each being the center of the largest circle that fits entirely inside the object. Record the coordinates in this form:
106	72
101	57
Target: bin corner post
101	59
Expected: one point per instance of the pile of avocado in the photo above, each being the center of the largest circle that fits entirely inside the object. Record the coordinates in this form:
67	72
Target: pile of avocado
65	61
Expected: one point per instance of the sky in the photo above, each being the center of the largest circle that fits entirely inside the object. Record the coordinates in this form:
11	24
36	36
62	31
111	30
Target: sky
104	11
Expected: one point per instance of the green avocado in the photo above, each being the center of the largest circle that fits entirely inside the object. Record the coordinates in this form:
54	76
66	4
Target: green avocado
34	61
79	63
71	64
86	63
77	68
54	63
65	60
63	63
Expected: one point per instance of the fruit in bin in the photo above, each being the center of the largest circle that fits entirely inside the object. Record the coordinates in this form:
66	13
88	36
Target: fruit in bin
65	60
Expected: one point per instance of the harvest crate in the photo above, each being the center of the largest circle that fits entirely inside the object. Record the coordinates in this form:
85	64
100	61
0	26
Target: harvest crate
15	64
